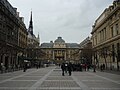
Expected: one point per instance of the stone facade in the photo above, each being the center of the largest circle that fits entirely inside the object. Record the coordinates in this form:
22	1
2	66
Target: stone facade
106	37
22	34
10	38
22	41
59	51
8	33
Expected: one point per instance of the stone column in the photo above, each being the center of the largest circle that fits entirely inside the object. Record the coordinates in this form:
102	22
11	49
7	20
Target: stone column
53	55
65	56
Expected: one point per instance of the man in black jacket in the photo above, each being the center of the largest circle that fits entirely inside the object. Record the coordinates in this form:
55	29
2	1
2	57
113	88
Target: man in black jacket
63	68
69	68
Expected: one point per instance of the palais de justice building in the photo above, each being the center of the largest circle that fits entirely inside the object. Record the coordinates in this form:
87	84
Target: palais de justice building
60	51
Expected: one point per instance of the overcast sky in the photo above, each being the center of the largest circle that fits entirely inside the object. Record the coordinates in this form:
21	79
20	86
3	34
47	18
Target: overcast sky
70	19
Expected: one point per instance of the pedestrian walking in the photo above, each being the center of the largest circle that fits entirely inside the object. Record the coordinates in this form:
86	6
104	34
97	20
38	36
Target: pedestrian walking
88	67
69	68
66	67
80	66
85	66
63	68
37	65
2	67
25	67
59	64
103	66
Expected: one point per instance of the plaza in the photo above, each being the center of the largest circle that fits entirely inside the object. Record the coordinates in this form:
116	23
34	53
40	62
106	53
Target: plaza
50	78
67	34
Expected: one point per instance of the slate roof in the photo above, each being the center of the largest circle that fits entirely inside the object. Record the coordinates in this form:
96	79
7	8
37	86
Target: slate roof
47	45
72	45
9	7
50	45
59	40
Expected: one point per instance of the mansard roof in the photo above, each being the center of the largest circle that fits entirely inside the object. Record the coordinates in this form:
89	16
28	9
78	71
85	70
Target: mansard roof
46	45
69	45
72	45
9	7
59	40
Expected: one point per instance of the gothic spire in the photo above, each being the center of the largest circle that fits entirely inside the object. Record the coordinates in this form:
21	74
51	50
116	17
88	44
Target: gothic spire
31	25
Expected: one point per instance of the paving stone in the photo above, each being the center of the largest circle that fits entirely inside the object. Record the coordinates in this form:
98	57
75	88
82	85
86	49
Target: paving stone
4	77
56	74
105	89
28	78
59	78
84	73
88	78
4	88
103	84
50	78
59	84
17	84
35	75
59	88
57	70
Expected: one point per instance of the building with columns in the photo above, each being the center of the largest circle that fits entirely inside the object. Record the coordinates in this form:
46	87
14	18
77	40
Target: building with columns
59	51
106	37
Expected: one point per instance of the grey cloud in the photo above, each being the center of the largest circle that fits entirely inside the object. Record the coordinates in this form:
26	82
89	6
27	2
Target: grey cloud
71	19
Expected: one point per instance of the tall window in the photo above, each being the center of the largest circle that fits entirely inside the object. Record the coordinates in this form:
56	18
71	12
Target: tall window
118	51
95	40
117	29
105	34
99	37
112	31
102	34
113	53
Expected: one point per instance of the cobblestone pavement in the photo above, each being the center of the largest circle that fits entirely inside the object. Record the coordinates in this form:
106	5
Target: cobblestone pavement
50	78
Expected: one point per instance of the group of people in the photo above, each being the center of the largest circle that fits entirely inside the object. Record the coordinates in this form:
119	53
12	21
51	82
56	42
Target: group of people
81	67
66	67
69	67
8	68
2	67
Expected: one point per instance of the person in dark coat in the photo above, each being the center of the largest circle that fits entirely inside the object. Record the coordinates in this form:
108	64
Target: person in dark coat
25	67
63	68
66	67
103	66
69	68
